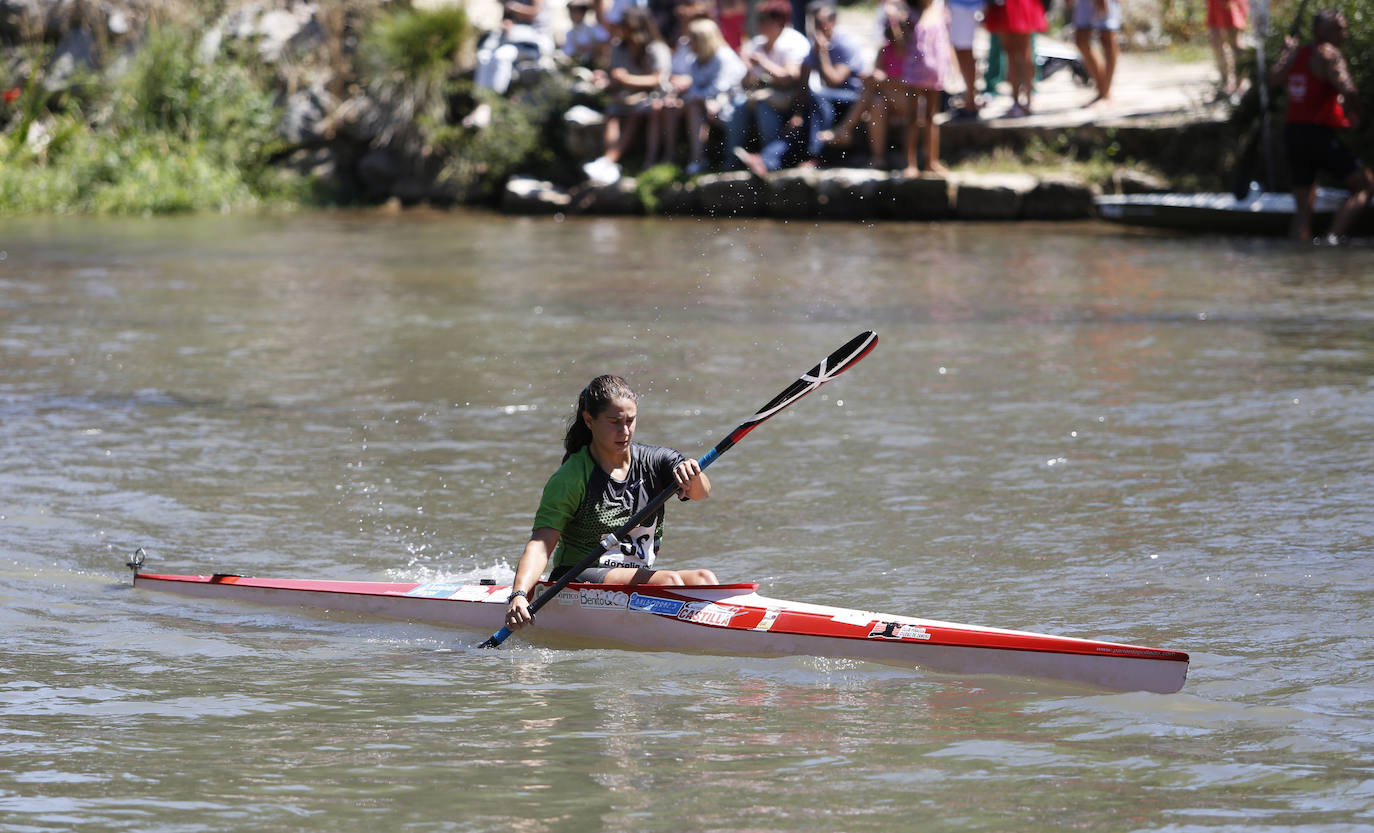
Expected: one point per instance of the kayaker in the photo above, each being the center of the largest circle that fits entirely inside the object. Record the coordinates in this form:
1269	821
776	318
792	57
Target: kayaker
1321	100
604	479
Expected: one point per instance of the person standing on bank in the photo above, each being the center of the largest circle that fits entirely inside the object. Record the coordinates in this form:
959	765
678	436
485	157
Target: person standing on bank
1321	100
604	480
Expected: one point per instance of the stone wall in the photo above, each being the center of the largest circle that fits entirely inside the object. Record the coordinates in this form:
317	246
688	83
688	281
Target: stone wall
830	194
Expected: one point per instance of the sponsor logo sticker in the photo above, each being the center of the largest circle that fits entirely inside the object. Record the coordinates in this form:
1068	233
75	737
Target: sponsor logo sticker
897	630
769	617
481	593
436	590
653	604
602	599
708	613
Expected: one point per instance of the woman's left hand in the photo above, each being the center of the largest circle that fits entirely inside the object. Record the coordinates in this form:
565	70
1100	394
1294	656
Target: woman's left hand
687	474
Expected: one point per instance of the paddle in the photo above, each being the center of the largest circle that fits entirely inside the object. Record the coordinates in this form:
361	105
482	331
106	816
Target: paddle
1240	186
832	366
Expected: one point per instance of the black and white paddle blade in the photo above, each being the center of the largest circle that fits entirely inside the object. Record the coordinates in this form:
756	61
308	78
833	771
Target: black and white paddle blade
831	366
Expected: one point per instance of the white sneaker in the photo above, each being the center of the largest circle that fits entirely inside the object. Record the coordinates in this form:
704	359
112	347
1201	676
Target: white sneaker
602	171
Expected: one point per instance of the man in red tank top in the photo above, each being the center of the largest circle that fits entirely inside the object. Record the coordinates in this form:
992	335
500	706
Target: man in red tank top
1321	100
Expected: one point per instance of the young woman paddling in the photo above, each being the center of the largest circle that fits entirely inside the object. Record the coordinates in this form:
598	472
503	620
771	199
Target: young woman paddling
605	478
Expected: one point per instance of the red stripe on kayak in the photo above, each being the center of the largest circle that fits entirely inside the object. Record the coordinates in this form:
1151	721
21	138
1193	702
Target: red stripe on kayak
817	624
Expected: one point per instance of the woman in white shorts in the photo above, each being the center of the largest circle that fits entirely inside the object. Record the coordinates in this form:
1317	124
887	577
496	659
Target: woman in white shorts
963	24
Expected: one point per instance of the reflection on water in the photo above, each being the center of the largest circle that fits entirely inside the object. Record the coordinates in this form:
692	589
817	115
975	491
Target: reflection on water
1065	428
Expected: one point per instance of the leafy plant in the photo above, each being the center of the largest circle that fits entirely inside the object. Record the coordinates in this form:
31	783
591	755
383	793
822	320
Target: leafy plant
172	133
407	58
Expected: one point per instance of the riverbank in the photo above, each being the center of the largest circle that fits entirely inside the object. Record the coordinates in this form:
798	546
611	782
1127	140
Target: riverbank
354	104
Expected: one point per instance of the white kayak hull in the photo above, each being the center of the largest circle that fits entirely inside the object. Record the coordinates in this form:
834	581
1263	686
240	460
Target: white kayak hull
732	620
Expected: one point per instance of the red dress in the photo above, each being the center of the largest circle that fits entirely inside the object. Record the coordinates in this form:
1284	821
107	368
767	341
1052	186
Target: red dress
1022	16
1228	14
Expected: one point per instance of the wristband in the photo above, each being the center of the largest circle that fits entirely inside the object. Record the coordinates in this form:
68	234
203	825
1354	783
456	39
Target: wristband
514	593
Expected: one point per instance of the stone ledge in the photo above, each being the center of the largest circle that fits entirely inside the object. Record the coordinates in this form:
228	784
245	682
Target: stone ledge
828	194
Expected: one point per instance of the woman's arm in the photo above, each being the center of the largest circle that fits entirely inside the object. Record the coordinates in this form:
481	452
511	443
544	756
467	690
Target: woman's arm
532	563
692	482
833	74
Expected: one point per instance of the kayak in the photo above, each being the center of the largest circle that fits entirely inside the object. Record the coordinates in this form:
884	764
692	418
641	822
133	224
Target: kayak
727	619
1259	212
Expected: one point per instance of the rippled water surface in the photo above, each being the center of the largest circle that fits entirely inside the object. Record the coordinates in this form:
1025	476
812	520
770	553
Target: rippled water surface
1065	428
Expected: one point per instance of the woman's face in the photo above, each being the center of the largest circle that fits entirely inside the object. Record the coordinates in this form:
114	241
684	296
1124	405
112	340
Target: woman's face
825	23
613	428
700	47
770	27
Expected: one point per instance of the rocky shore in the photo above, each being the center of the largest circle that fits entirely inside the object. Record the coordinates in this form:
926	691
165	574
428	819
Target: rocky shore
828	194
357	140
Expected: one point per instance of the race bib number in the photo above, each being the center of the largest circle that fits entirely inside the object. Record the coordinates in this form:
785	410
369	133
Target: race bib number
636	550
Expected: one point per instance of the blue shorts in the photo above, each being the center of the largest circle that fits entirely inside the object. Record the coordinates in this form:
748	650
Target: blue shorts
1085	16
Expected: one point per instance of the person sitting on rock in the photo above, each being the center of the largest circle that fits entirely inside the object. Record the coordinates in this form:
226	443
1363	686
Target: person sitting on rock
640	65
774	59
587	43
523	36
713	91
883	102
671	105
834	79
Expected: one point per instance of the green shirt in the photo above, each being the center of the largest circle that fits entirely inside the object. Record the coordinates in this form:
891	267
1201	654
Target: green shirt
585	504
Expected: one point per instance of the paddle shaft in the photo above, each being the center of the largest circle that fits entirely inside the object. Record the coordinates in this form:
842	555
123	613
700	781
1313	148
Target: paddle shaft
833	365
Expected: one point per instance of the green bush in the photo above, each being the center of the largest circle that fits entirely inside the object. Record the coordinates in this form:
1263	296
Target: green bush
408	61
524	135
419	45
170	134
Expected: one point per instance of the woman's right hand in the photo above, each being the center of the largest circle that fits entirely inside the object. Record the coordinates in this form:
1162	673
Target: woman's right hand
518	613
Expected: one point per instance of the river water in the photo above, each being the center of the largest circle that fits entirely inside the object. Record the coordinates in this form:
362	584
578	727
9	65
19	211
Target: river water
1065	428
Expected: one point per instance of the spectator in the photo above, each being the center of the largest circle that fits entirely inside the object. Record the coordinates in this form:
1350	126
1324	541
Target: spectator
732	16
1225	21
522	36
587	42
611	13
640	63
1103	17
926	60
671	104
714	91
963	25
834	81
1321	100
773	59
883	99
835	78
1015	21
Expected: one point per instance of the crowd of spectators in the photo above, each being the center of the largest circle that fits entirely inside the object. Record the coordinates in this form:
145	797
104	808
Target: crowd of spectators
767	85
763	87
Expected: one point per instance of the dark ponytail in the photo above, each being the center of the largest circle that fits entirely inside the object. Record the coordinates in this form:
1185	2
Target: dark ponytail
595	398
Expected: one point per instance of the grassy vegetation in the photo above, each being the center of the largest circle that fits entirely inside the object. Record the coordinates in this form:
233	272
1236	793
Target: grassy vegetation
170	134
176	133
